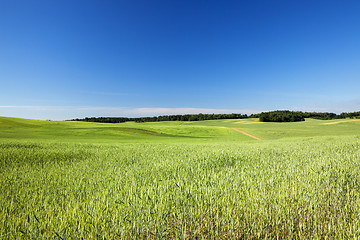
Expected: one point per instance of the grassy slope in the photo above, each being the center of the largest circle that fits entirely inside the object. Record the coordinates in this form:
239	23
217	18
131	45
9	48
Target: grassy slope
12	128
179	180
308	128
202	131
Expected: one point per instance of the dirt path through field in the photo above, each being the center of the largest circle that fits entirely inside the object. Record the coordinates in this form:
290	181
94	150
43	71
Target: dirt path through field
247	134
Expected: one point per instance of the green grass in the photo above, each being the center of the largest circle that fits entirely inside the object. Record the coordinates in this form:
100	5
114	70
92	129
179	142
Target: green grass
179	180
274	130
54	131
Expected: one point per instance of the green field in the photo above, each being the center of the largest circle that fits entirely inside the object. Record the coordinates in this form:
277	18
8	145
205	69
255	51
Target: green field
179	180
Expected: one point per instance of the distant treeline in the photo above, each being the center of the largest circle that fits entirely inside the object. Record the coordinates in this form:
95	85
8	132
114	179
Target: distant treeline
273	116
281	116
186	117
292	116
329	116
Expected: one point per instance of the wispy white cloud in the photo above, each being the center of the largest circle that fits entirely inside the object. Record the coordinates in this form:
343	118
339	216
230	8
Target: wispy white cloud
14	107
352	105
107	93
169	111
70	112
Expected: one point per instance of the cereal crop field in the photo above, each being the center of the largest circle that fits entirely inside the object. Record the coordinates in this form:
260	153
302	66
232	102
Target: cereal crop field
179	180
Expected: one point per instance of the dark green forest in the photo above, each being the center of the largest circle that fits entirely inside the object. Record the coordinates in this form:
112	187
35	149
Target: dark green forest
292	116
281	116
186	117
272	116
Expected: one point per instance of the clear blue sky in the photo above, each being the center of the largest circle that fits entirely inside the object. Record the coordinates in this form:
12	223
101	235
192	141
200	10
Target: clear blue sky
65	59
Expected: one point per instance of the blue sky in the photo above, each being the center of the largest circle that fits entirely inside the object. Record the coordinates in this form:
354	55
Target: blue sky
67	59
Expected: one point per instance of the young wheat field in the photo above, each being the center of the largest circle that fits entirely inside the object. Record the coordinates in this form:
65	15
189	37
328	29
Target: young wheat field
179	180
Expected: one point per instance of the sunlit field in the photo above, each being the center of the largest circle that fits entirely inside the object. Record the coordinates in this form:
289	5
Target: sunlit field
179	180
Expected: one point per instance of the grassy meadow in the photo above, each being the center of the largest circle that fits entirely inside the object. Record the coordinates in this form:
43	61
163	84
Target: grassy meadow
179	180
